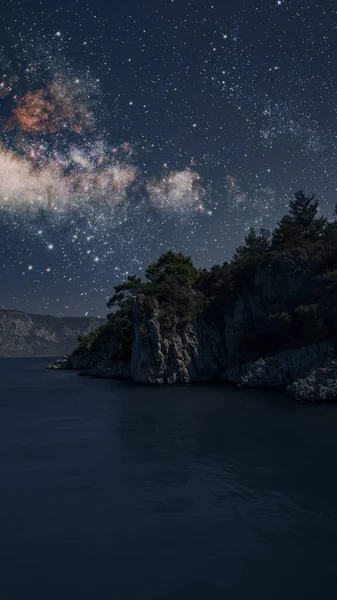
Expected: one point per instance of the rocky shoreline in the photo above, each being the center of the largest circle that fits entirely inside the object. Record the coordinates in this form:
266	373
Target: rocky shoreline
308	374
230	346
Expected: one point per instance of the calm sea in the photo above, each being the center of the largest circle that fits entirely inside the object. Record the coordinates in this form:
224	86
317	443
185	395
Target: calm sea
110	489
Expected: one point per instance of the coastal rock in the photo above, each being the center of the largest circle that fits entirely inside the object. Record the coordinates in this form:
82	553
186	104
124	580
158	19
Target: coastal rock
191	353
319	386
201	351
164	349
282	369
158	359
60	363
72	360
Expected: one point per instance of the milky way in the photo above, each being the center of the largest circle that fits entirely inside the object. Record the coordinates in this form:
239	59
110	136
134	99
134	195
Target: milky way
133	129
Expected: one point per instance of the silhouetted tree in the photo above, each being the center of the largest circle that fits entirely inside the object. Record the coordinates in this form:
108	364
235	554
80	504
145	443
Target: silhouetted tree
256	244
125	292
172	268
301	224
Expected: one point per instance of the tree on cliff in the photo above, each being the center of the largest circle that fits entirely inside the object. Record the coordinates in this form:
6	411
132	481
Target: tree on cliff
214	281
172	268
301	224
125	292
170	280
165	277
256	244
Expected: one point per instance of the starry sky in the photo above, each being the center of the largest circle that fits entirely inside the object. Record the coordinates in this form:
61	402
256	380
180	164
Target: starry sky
133	127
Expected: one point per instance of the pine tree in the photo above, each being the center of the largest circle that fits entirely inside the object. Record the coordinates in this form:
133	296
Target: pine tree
172	268
301	224
256	244
125	292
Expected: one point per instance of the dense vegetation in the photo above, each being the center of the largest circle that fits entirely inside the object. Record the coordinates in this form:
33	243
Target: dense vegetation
181	292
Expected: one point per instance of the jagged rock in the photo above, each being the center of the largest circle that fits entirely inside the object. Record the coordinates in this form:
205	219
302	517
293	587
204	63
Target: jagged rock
280	370
60	363
319	386
183	355
23	334
72	360
168	351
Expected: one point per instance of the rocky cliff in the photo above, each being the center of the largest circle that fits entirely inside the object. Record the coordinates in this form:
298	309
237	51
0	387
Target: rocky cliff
192	353
203	350
23	334
209	349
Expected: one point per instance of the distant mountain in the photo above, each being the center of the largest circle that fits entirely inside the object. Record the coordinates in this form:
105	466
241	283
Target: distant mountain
24	334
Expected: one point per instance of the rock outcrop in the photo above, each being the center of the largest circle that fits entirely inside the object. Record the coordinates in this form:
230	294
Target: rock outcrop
201	351
191	353
72	361
319	386
23	334
282	369
168	350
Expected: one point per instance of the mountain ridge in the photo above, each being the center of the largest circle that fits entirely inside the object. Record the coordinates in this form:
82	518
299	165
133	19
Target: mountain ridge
34	334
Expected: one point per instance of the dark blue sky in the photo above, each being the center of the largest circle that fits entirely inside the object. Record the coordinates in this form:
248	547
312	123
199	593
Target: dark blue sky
130	128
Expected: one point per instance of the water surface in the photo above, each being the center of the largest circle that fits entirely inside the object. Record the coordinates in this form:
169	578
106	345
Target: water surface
162	492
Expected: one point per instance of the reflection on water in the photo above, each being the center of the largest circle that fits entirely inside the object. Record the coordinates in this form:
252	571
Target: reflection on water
164	492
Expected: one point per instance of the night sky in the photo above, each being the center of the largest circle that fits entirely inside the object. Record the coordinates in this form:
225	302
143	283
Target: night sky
131	127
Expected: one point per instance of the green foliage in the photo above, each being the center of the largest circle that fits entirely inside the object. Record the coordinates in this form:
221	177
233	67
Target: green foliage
169	280
246	259
306	313
213	282
256	245
181	293
120	329
301	224
86	340
172	268
116	334
125	293
330	278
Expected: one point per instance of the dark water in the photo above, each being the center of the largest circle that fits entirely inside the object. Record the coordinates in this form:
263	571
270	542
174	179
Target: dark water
109	489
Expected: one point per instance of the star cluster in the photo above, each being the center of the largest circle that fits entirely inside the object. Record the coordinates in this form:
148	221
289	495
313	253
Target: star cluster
131	128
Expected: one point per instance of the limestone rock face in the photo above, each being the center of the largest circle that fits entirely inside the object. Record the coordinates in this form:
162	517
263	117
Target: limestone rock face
319	386
282	369
183	355
23	334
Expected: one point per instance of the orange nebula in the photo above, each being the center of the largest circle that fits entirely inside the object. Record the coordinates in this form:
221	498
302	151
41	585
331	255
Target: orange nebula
49	111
